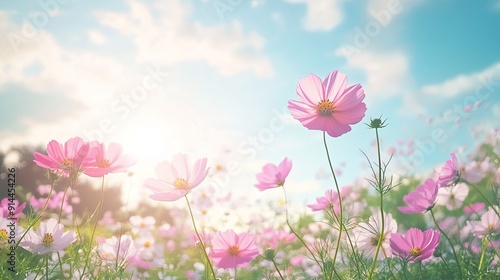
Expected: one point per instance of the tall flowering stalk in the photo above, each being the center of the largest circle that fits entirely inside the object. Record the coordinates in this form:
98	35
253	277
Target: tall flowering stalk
382	185
175	180
332	107
274	176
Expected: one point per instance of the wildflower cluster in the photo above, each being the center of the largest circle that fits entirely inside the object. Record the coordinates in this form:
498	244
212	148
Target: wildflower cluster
446	226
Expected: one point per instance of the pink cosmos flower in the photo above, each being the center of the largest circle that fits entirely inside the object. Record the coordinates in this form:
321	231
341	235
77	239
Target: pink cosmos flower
48	238
452	197
489	224
474	171
415	245
230	250
142	226
474	208
116	250
176	179
66	160
422	199
330	105
273	176
108	160
8	231
449	173
11	209
369	233
330	200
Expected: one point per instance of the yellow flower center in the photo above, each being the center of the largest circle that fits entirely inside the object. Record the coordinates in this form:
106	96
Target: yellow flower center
181	184
325	108
374	240
147	244
103	163
233	250
415	251
218	167
3	235
48	239
67	162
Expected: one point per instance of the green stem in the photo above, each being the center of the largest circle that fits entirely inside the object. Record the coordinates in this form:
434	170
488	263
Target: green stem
485	198
381	192
341	223
451	245
98	209
199	238
277	269
39	216
293	231
483	250
47	267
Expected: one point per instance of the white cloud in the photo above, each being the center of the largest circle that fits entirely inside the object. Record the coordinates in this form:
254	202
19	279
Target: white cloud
172	38
322	15
96	37
376	7
386	74
464	83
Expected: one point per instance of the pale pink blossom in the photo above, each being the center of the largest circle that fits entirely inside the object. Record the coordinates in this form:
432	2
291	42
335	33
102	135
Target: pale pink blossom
415	245
452	197
50	237
273	176
116	250
10	208
230	250
449	173
8	231
474	208
142	226
474	171
328	105
422	199
489	224
177	178
107	160
368	234
66	160
329	201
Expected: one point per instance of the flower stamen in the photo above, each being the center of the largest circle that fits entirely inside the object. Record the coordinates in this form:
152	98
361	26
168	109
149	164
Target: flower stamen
48	239
325	108
181	184
415	251
233	250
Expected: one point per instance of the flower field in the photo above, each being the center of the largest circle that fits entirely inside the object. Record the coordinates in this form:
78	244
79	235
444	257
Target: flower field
444	225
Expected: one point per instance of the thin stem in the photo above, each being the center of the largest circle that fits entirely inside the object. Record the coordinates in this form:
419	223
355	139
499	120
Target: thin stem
381	192
485	198
277	269
293	231
98	209
62	203
483	250
420	270
47	267
72	182
446	264
451	244
341	225
39	216
199	238
235	272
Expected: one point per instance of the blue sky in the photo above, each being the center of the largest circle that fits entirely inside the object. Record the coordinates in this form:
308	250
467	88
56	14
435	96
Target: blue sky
212	79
